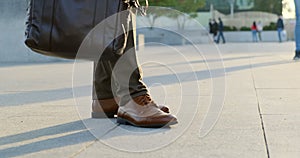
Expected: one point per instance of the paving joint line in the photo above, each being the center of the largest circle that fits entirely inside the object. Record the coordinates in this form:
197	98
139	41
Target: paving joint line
259	111
92	143
83	148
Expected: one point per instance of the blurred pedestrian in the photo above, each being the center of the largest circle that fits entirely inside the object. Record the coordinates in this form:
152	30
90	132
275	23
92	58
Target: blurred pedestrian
297	30
280	27
254	32
210	25
259	30
215	30
220	33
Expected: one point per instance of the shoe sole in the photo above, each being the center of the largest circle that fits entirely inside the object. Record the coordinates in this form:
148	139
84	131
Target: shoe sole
113	115
126	122
102	115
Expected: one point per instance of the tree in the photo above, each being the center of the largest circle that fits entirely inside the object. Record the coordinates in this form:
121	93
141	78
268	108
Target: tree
189	7
231	3
224	6
157	8
272	6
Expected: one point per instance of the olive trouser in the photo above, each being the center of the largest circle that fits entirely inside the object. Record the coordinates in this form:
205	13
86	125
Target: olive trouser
109	83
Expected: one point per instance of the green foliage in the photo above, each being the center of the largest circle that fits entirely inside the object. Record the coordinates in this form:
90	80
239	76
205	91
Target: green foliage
161	3
271	26
230	28
221	5
186	6
270	6
245	28
155	12
189	7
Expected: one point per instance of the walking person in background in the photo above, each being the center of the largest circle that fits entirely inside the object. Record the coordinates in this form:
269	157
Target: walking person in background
254	32
220	34
210	25
215	30
259	30
280	27
297	30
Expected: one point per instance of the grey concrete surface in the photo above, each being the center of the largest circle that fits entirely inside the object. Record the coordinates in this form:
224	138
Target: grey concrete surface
45	110
246	36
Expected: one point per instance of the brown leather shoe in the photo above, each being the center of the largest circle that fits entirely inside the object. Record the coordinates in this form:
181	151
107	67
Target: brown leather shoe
104	108
108	108
143	112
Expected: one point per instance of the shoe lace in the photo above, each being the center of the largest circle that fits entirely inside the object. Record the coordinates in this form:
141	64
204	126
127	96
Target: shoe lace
143	100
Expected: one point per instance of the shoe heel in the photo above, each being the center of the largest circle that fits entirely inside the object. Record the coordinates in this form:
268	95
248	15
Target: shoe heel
121	121
102	115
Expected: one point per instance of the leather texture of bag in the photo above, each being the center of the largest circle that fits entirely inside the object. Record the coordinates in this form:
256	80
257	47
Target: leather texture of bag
58	27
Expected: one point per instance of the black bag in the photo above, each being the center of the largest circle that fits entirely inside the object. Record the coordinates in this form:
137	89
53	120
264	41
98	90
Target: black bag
58	27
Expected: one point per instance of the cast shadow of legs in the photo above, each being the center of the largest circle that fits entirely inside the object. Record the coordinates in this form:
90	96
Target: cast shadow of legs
77	132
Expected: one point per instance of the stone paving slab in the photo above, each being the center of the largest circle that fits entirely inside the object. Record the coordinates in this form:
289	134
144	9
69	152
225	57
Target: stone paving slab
280	109
40	118
36	77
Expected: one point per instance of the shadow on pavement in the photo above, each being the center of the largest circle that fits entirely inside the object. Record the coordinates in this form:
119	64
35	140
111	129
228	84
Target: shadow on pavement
69	134
65	135
168	79
30	97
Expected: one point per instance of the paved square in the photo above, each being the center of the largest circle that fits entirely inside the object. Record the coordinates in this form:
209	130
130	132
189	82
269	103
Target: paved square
39	116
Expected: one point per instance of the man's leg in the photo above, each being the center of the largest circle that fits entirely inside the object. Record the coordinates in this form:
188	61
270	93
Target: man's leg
104	103
128	74
136	106
279	34
223	38
255	35
218	38
109	92
297	28
107	88
102	81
